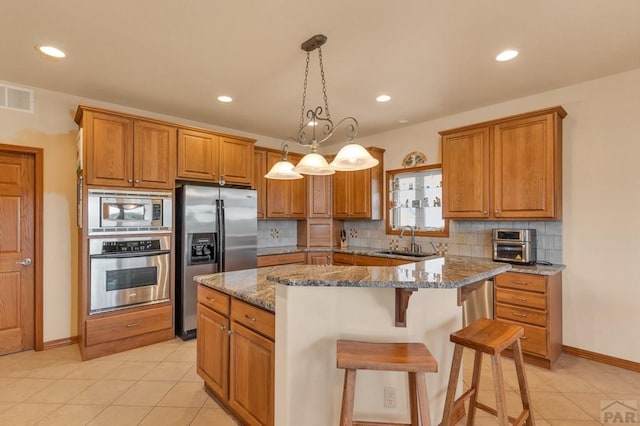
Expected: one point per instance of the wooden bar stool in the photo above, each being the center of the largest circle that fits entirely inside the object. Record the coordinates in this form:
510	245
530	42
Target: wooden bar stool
490	337
414	358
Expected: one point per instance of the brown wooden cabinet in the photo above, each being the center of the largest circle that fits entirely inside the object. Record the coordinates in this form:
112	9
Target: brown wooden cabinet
319	258
359	194
107	333
126	151
509	168
236	355
211	157
281	259
259	181
535	303
286	199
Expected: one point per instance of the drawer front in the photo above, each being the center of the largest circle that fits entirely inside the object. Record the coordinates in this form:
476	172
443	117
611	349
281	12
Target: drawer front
534	339
519	281
214	299
521	298
123	325
516	313
343	258
362	260
281	259
254	318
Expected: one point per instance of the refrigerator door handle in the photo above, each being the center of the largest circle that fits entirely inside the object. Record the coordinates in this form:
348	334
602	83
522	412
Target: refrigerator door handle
221	233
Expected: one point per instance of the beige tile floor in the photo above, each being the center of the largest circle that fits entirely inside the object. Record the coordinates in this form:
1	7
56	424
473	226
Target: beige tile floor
157	385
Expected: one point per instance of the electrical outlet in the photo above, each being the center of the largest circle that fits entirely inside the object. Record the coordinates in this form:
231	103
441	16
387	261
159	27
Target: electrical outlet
389	397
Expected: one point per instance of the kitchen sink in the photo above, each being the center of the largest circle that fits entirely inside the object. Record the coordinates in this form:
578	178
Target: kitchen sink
405	253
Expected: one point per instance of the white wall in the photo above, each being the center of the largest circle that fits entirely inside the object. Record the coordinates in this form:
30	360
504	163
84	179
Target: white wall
51	127
601	223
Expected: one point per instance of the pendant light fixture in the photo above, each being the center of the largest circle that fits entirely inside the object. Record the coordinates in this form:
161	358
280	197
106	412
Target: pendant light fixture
316	128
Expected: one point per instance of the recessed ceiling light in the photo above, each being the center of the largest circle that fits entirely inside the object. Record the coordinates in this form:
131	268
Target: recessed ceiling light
403	121
506	55
225	99
383	98
50	51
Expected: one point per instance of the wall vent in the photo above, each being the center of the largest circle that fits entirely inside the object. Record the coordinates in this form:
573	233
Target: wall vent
16	98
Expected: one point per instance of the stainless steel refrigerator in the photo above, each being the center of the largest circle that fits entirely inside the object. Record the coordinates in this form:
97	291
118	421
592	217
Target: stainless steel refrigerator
216	231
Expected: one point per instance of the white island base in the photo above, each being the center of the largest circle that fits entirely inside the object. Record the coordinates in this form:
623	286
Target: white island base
309	320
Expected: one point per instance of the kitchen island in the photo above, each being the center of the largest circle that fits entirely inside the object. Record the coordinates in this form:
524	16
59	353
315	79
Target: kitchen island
316	305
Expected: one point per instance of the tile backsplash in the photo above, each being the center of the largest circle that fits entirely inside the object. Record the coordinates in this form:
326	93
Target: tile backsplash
276	233
466	238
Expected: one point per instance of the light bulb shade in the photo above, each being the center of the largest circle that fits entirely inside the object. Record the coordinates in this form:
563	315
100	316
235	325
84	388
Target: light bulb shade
283	170
313	164
353	157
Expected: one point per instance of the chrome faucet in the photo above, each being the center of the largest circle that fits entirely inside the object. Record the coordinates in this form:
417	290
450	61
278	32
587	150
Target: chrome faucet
413	247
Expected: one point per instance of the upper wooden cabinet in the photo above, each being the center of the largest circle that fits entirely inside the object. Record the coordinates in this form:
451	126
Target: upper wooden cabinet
259	181
359	194
125	151
509	168
208	156
319	196
286	199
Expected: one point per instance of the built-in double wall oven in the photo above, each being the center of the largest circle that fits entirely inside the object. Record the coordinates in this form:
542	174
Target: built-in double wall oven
129	249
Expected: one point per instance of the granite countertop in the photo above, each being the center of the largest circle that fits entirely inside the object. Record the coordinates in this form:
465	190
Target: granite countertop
538	269
250	285
438	272
257	286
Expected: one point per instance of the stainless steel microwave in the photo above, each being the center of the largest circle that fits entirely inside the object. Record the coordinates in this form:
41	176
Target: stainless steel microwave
127	212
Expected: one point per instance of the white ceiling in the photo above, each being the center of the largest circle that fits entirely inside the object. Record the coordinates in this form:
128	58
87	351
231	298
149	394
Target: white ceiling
435	58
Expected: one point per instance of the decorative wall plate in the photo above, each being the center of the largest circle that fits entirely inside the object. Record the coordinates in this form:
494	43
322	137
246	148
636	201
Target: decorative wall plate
414	159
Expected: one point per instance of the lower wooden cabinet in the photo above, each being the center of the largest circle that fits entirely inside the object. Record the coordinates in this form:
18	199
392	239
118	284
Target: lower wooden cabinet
281	259
117	331
319	258
533	302
251	373
236	355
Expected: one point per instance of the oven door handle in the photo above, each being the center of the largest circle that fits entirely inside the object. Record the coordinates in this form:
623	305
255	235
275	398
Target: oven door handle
129	254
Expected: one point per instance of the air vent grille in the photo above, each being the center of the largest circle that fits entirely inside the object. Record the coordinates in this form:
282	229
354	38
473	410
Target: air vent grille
16	98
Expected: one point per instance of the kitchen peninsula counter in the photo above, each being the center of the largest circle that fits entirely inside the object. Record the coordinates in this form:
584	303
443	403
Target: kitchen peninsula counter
316	305
257	286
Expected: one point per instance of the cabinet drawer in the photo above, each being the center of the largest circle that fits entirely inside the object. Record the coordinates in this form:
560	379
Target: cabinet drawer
281	259
521	298
214	299
342	258
522	281
516	313
534	339
254	318
362	260
123	325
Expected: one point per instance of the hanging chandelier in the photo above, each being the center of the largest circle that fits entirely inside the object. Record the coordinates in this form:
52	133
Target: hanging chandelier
316	127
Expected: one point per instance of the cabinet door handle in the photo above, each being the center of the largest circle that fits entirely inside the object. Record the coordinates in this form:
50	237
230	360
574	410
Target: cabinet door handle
523	299
210	299
250	318
133	324
130	180
519	314
523	338
484	212
496	211
222	327
137	180
519	282
229	332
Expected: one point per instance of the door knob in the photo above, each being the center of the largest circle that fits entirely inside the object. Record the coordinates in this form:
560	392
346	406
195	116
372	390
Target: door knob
25	262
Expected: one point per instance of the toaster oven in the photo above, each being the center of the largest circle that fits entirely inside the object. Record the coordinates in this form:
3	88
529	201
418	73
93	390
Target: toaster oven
515	246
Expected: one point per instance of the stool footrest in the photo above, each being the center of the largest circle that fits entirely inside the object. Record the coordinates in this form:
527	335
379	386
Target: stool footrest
515	421
357	423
